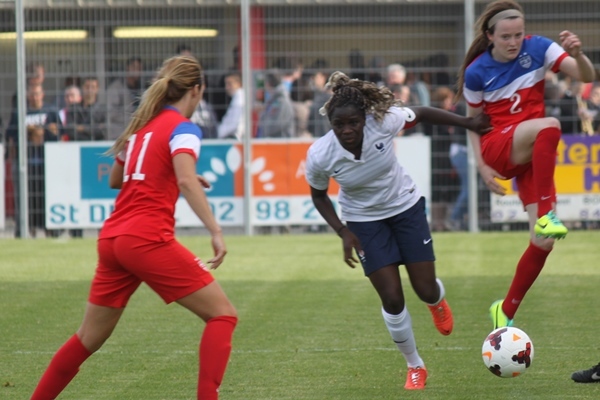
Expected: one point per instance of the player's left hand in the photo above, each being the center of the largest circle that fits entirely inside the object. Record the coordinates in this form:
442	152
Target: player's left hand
218	245
571	43
480	124
204	182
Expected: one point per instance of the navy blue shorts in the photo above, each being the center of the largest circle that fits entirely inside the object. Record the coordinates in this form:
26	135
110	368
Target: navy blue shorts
402	239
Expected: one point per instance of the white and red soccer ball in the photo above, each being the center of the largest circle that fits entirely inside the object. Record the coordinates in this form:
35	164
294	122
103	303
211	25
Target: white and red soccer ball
507	352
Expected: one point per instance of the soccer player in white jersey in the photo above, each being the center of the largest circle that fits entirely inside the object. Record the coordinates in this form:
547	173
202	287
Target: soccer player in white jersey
383	209
503	77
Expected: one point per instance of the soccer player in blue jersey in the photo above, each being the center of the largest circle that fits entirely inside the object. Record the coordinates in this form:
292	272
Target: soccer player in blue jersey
503	77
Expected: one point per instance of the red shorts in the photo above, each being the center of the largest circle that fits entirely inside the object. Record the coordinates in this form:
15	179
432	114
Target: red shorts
124	262
496	147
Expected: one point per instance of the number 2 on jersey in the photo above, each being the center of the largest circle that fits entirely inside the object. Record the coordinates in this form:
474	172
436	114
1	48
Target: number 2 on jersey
137	173
516	99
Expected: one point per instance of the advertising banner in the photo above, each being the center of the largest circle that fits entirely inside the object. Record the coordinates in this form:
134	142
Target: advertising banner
78	195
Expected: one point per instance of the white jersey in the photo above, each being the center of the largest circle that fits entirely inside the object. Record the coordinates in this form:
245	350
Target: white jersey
374	187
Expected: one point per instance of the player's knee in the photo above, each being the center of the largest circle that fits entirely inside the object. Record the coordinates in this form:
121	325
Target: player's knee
224	309
552	122
393	304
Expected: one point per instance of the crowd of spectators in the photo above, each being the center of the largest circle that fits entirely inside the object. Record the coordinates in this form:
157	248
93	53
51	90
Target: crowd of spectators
287	100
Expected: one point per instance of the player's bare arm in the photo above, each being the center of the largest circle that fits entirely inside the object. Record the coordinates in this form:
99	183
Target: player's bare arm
578	66
324	206
479	123
115	180
488	174
191	189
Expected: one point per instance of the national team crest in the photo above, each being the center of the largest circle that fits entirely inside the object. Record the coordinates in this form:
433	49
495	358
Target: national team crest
525	60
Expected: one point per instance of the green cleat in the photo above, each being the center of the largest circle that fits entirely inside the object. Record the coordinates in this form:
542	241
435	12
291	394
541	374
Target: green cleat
499	319
550	226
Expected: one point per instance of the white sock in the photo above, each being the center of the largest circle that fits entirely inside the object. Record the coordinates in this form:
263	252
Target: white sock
400	328
442	292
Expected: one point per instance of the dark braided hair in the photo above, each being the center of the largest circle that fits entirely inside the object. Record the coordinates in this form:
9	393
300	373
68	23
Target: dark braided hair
363	95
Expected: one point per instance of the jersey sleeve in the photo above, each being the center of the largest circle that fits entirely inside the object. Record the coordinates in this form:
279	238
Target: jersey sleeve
121	157
554	53
397	119
186	138
314	174
473	87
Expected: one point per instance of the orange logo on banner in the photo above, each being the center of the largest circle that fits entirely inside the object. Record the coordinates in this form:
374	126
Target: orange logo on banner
278	170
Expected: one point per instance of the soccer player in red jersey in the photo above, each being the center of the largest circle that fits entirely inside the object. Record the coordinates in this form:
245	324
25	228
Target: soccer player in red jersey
155	161
503	76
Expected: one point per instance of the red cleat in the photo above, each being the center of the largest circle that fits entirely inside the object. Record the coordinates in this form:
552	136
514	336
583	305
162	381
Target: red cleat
442	317
416	378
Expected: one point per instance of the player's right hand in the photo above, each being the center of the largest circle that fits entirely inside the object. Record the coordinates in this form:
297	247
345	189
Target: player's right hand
350	243
489	175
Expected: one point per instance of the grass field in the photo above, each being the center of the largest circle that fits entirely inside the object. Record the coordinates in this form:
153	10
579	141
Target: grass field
310	327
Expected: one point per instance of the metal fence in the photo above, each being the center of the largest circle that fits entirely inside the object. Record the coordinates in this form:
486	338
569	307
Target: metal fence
74	45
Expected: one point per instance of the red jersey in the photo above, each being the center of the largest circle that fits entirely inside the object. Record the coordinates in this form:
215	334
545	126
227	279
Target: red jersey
145	205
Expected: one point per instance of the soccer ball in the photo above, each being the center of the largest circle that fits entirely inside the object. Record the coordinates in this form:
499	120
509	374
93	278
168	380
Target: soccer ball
507	352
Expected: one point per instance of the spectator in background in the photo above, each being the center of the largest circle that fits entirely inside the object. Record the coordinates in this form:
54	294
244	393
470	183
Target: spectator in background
443	178
319	124
36	185
72	101
72	80
84	119
456	137
232	125
395	75
92	125
123	96
418	86
217	94
277	117
35	74
590	112
290	70
42	124
204	116
302	98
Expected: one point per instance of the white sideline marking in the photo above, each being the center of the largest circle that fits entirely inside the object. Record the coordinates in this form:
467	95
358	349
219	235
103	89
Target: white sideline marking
267	351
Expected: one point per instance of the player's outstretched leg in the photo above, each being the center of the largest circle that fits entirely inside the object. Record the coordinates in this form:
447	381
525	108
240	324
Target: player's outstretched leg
215	348
62	369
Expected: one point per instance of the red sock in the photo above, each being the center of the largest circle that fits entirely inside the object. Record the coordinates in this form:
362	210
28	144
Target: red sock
62	369
215	347
529	267
544	162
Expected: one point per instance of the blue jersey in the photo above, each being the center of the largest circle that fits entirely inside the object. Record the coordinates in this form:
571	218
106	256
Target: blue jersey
512	92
